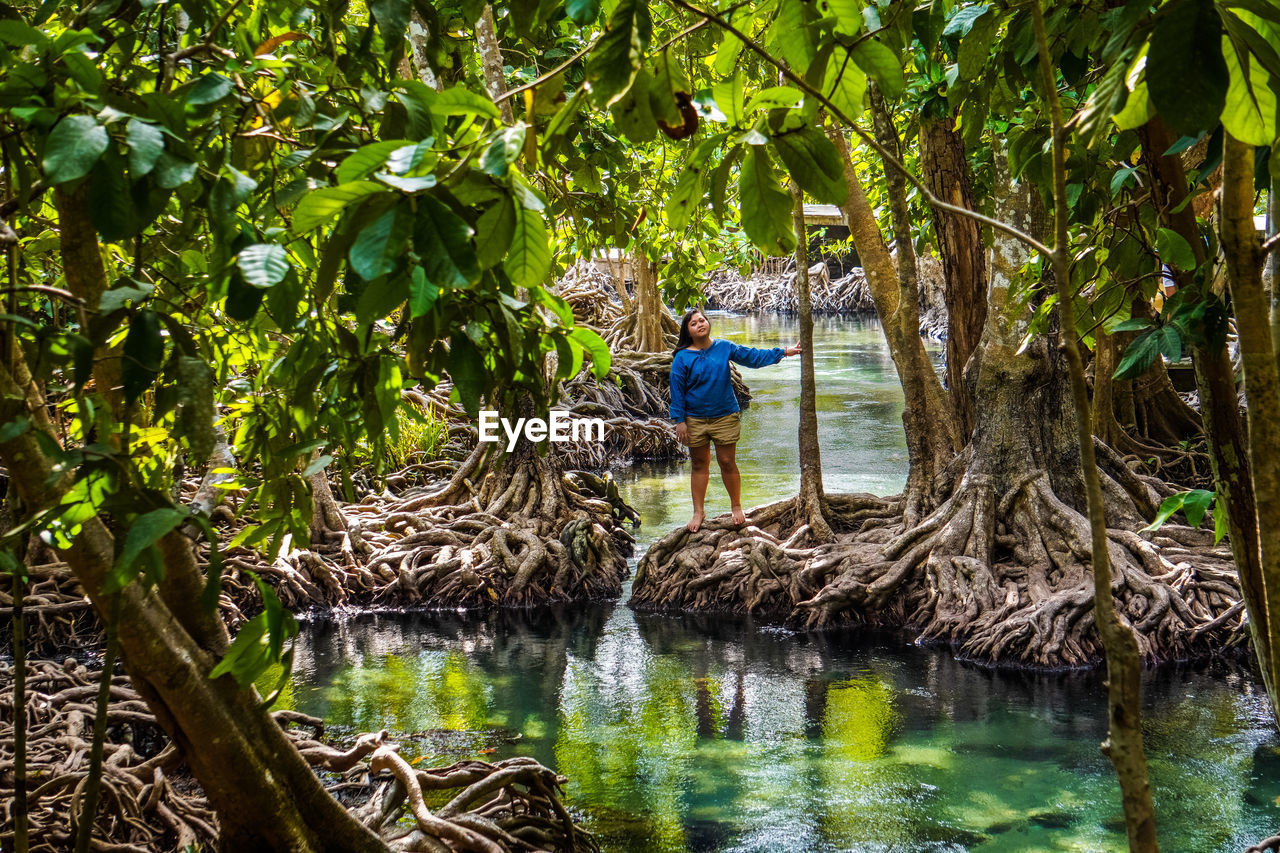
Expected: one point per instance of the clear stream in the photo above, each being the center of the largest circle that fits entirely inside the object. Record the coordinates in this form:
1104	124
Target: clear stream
713	734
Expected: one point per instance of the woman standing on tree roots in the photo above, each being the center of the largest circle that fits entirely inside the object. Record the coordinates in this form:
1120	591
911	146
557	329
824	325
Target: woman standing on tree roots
705	409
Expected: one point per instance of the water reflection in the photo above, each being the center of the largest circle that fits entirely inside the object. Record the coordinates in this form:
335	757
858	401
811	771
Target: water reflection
707	733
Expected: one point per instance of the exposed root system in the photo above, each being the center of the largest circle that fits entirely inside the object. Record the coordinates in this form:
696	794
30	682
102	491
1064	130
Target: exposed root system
150	802
1003	578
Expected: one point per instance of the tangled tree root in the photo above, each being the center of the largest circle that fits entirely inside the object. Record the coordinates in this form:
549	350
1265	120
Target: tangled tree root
150	803
1003	578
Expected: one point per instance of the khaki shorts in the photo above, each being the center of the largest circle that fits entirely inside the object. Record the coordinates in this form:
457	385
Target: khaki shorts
722	430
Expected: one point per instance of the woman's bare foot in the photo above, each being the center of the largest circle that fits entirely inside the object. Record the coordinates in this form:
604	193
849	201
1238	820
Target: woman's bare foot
695	522
739	517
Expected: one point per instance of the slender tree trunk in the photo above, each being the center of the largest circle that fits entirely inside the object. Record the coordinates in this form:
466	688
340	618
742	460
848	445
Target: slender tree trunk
1271	274
933	437
1219	407
812	497
419	36
946	173
495	75
1124	664
1243	252
649	306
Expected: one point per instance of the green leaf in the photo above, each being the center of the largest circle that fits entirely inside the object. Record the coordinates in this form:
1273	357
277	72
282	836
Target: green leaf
366	160
494	231
171	171
317	465
975	49
1139	355
379	244
418	100
1196	504
667	85
792	34
263	264
320	205
728	97
881	64
443	241
843	83
1221	522
529	259
145	531
146	144
766	208
552	303
407	185
461	101
1171	343
73	147
504	147
814	163
633	112
1133	324
392	17
1168	507
208	89
467	370
1250	111
1186	73
1137	111
130	291
1174	250
774	97
618	54
595	347
847	14
582	12
963	21
422	293
143	354
411	156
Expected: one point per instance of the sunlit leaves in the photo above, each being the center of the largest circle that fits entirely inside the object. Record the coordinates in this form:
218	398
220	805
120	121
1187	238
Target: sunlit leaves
144	532
844	83
318	206
881	64
259	644
813	162
619	52
688	191
73	147
595	347
792	35
263	264
1193	504
766	207
1186	72
529	257
1250	110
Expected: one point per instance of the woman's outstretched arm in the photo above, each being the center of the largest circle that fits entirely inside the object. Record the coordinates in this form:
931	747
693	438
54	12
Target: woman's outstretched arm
752	357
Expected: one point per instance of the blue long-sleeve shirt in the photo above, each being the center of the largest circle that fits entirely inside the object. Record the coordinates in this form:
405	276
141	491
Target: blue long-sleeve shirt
700	383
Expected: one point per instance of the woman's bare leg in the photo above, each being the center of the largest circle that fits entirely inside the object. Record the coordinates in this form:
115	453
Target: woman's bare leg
727	459
701	459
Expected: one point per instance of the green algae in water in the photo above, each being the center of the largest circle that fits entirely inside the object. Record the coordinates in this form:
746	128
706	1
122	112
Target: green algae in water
700	733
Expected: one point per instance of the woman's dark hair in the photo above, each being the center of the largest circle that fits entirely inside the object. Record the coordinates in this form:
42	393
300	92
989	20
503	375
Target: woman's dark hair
685	339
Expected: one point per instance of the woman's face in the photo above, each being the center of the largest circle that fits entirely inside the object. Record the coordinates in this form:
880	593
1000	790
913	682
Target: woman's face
699	326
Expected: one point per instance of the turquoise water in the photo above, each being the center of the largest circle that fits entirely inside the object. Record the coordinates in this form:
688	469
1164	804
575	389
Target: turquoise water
682	733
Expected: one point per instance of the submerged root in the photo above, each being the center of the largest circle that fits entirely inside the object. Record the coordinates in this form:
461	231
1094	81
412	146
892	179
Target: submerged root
1003	578
150	802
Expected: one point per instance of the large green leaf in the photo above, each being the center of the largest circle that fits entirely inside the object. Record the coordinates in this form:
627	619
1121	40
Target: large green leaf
263	264
619	52
792	34
503	149
582	12
729	98
320	205
881	64
461	101
766	207
73	146
814	163
976	46
366	160
1250	111
1186	72
529	258
146	144
145	531
595	347
393	19
379	244
633	112
964	20
1174	250
844	83
494	230
687	195
442	241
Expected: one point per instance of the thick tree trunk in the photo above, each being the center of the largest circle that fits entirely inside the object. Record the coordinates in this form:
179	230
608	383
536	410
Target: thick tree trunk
812	497
1219	407
946	173
933	437
1243	252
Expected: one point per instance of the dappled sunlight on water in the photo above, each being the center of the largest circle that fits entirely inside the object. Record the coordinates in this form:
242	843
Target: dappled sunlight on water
714	734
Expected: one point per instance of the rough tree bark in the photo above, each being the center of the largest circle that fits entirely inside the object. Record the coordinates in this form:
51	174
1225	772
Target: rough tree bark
1219	409
1124	663
1243	251
933	437
650	333
495	75
945	171
812	497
